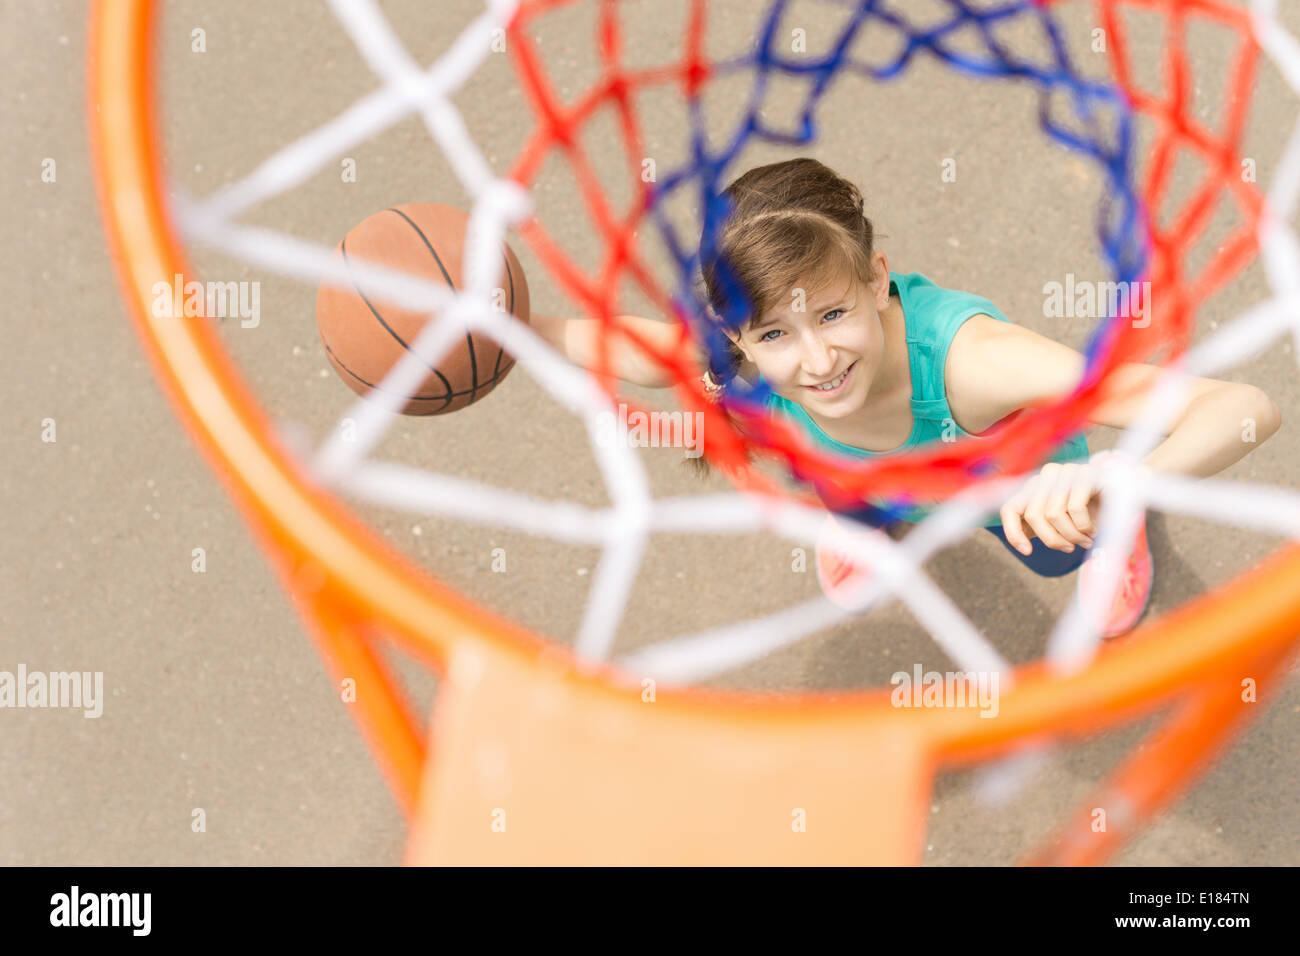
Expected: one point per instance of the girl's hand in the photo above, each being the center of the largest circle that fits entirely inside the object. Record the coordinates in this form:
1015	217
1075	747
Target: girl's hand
1059	504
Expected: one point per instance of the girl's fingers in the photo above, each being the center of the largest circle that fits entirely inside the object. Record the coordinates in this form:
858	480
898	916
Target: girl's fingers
1080	509
1037	519
1012	526
1072	484
1056	505
1041	493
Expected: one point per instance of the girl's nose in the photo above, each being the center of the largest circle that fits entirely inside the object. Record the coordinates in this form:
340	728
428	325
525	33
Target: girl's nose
819	356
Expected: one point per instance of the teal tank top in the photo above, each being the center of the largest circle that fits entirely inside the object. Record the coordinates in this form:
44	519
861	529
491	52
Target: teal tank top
931	316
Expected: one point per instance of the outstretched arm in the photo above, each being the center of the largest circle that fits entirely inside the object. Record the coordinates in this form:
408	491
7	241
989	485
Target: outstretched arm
629	356
1005	367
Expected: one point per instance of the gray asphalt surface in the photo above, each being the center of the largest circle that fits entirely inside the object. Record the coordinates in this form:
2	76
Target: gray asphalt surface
214	695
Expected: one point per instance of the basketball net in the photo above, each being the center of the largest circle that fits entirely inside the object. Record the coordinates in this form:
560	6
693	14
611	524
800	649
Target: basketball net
564	741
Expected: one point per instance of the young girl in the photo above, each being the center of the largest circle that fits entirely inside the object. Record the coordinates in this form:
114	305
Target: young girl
869	362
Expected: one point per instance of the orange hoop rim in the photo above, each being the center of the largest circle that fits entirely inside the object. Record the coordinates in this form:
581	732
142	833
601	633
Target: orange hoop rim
344	577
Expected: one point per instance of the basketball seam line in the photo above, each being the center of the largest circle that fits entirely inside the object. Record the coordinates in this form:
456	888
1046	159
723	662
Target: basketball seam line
343	248
510	279
445	399
469	338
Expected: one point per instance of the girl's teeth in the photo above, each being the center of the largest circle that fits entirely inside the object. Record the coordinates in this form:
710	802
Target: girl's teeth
831	385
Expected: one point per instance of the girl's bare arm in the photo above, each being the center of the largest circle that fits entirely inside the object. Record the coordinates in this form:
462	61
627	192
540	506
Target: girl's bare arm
577	340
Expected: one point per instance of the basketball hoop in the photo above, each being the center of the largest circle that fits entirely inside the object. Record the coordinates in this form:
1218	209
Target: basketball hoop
594	774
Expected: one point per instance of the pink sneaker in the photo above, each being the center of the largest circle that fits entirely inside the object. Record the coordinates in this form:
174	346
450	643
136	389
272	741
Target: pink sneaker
837	575
1135	587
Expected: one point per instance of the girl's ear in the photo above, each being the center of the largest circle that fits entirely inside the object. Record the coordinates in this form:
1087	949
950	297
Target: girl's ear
880	285
739	343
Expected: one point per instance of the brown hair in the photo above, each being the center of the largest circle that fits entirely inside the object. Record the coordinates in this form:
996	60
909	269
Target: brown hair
789	223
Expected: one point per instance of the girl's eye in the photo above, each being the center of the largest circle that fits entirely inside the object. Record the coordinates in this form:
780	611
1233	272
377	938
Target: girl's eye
831	316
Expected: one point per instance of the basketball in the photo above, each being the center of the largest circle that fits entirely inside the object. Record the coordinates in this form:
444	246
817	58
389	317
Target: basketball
365	337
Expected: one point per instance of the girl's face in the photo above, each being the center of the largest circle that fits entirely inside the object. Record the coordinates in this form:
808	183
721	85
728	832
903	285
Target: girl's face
823	347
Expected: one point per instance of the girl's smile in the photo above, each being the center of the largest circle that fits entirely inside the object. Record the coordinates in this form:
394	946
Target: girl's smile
835	386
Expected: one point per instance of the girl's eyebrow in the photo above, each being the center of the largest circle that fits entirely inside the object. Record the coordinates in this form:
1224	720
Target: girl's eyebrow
826	305
833	302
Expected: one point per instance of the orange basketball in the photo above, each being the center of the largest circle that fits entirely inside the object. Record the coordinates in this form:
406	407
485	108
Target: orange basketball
365	337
